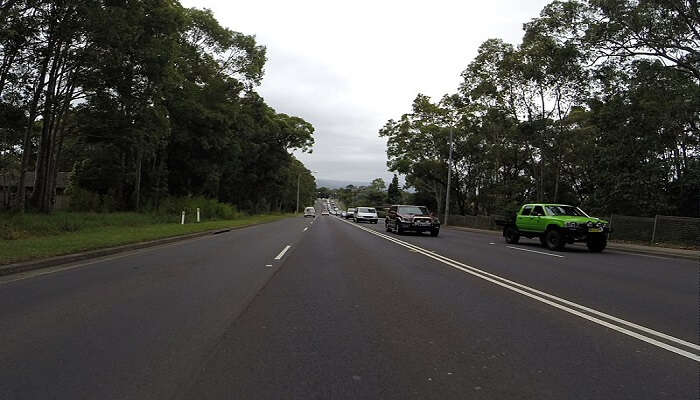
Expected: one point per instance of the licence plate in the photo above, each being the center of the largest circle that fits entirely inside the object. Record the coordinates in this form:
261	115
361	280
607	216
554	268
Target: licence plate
422	223
595	230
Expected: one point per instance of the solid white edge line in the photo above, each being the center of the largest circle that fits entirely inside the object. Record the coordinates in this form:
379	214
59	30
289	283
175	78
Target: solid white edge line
485	275
535	251
281	254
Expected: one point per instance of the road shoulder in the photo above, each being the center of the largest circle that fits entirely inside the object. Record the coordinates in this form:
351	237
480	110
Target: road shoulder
25	266
616	246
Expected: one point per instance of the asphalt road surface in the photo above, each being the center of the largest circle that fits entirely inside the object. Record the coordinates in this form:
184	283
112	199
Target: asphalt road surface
334	310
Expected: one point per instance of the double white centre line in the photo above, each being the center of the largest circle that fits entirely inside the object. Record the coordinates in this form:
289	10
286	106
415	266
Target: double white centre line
679	346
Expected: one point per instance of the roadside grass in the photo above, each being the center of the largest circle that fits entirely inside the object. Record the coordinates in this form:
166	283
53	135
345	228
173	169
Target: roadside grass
27	237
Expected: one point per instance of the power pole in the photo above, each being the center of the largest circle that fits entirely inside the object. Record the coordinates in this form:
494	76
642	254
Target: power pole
298	179
449	176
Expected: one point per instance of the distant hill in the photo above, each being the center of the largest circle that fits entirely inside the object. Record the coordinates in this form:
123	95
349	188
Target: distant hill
337	184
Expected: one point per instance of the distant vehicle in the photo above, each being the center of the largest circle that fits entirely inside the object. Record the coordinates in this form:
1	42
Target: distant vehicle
344	214
324	212
556	225
368	214
350	213
405	218
310	212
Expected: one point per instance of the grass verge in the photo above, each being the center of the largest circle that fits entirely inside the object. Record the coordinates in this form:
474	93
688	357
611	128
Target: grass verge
97	237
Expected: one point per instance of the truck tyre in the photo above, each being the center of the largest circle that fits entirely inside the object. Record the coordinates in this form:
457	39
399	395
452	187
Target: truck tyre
511	234
596	243
543	241
434	232
386	226
399	230
554	239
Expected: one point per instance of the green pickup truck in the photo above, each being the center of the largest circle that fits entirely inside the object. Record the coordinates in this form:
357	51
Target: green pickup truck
555	225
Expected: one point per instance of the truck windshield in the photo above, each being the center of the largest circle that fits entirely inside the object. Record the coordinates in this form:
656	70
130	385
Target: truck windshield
565	210
413	210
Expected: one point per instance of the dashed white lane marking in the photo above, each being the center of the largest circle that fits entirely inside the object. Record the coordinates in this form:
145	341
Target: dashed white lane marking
306	229
281	254
492	243
268	265
557	302
535	251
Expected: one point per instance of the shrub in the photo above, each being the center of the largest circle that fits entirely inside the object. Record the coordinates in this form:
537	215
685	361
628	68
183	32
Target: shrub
210	209
83	200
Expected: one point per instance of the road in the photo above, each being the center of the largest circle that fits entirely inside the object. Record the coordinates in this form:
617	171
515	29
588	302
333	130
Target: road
348	312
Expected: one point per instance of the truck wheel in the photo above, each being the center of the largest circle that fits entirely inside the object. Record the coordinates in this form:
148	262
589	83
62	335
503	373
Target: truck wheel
596	243
511	234
399	230
434	232
554	239
543	241
386	226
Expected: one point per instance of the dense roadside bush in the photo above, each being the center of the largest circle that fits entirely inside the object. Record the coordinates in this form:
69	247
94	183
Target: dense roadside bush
209	208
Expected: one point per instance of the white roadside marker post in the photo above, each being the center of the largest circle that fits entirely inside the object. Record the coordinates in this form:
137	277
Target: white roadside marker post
197	214
182	220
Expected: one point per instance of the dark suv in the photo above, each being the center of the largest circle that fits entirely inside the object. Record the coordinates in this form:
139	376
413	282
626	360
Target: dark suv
402	219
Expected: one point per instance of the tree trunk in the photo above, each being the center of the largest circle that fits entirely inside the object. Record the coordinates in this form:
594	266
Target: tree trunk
27	142
540	190
556	180
139	160
55	113
5	69
40	195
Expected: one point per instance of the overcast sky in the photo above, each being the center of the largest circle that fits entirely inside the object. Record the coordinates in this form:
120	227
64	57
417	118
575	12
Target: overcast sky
348	67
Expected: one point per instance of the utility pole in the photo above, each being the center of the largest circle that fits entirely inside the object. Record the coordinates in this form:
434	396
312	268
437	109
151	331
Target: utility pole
449	176
298	179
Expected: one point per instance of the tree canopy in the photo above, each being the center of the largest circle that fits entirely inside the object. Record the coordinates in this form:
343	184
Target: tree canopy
599	106
141	99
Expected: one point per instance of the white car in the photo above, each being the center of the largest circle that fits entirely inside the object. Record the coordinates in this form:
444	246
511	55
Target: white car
368	214
310	212
324	212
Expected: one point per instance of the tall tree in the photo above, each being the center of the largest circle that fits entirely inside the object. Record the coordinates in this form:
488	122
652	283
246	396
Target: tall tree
394	191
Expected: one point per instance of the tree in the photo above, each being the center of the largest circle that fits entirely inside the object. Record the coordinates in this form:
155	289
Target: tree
597	106
324	192
627	29
394	191
159	101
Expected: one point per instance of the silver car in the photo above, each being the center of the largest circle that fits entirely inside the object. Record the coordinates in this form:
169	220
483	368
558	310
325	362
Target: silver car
368	214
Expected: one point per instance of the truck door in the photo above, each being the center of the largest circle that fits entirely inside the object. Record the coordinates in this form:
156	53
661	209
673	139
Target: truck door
539	219
522	220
